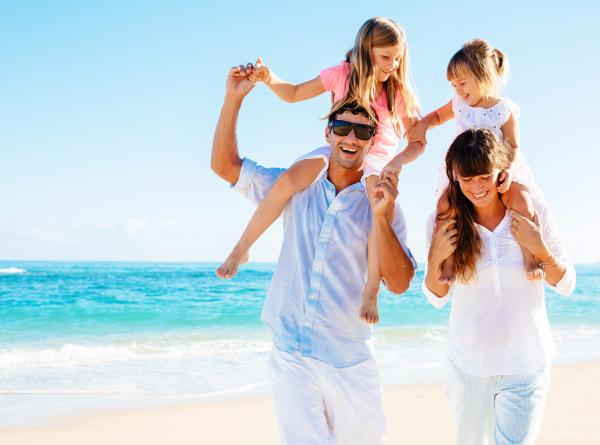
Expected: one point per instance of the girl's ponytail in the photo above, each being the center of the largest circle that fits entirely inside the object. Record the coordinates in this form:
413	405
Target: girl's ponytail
488	65
501	63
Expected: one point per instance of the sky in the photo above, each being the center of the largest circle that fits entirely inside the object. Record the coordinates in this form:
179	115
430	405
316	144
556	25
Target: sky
108	109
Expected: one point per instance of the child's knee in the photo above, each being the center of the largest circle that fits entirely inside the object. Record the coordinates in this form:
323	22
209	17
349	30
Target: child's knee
443	210
519	200
300	175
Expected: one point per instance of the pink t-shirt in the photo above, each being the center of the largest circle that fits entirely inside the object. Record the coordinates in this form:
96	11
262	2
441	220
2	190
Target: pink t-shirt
335	79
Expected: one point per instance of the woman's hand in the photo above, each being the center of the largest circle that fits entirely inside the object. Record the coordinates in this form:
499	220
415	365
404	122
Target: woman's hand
443	243
528	234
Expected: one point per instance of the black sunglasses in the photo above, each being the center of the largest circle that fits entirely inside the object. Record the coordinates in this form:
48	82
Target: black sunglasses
361	131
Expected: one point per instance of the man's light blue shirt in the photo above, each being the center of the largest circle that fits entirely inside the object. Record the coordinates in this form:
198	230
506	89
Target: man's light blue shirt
314	299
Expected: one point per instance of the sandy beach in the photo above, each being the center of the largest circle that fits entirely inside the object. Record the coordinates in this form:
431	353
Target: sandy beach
416	415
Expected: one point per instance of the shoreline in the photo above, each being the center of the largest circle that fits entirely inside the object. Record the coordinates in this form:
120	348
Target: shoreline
411	412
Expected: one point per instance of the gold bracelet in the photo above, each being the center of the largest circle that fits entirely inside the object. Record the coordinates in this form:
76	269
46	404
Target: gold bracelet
552	263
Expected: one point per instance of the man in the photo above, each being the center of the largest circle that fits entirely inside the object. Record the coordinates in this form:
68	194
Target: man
326	385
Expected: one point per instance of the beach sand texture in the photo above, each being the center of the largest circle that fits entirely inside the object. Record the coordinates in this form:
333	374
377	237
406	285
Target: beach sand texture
416	415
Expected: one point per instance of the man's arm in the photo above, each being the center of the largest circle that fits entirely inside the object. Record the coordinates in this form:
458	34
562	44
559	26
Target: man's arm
395	265
225	159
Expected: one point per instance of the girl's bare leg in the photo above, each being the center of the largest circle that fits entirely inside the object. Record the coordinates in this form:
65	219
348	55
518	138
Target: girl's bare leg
447	275
299	176
518	199
369	311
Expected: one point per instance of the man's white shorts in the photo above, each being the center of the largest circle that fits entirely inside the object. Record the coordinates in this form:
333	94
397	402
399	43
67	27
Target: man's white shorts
500	410
318	404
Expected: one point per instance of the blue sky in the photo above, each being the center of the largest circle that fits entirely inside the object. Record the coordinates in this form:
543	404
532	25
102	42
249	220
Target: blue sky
107	112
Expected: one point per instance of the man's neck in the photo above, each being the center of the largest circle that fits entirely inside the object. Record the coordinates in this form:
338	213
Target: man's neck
343	177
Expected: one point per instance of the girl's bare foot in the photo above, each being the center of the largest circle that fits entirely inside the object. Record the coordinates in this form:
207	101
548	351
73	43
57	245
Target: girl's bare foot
230	266
534	271
447	276
368	308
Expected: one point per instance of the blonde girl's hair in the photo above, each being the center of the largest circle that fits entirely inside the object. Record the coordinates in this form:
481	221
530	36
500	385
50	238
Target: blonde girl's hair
362	80
488	65
473	153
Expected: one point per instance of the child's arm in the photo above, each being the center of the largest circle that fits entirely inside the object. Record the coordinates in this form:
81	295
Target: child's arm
416	137
285	90
433	119
510	132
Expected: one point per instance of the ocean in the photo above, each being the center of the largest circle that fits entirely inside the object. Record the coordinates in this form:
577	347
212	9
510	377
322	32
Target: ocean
87	336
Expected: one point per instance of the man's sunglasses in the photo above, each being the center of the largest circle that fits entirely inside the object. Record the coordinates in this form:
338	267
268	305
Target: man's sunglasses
361	131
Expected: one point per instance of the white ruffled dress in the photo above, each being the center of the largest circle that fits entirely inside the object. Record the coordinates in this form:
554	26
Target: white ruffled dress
493	118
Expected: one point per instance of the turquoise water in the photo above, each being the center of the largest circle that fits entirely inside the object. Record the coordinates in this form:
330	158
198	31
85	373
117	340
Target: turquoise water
93	334
66	300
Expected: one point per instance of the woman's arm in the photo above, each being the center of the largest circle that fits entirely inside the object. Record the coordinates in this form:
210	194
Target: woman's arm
443	244
529	235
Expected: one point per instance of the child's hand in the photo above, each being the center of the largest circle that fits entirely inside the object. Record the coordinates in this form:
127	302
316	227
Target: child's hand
260	73
504	181
390	169
417	132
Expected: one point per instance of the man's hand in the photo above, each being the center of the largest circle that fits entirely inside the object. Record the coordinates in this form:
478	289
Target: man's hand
238	81
386	191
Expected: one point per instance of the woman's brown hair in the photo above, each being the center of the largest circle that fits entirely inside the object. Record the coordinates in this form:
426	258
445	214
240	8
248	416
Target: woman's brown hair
473	153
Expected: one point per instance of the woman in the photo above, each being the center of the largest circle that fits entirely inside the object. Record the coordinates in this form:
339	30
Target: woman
500	344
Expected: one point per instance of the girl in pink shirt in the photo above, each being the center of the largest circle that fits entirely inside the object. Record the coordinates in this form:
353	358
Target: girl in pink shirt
375	75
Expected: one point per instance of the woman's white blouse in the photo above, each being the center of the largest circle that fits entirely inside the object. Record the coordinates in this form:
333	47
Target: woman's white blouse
498	322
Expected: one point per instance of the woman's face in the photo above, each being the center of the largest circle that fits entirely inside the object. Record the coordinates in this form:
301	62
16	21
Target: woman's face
481	190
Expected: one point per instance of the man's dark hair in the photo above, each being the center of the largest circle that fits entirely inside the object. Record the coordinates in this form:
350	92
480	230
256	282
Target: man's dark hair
353	107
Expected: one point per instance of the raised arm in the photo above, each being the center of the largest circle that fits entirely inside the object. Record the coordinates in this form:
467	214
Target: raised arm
396	267
416	136
225	159
285	90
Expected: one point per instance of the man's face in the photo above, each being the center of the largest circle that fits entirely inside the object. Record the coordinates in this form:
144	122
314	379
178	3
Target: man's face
348	151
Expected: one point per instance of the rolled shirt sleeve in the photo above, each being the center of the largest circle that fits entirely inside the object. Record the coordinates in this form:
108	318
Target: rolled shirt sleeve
255	181
553	239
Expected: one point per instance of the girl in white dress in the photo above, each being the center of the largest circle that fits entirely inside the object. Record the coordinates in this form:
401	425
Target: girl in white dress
477	73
